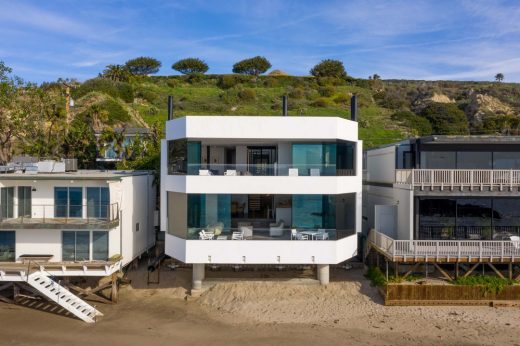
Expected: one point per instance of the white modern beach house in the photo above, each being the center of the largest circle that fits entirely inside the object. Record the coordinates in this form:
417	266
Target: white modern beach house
277	190
60	223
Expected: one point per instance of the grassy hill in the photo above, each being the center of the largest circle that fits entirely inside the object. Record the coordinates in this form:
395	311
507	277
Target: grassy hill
389	110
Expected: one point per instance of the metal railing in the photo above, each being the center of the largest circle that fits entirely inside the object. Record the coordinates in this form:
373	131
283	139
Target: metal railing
62	214
472	178
260	170
444	249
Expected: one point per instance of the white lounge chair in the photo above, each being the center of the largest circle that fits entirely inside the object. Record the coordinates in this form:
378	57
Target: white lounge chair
205	172
515	240
203	235
276	229
230	172
315	172
237	236
298	236
293	172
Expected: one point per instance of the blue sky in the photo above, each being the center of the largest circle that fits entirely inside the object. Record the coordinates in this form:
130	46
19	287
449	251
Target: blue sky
462	40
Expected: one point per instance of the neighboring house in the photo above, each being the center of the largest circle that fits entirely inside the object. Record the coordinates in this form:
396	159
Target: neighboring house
113	154
82	223
272	190
444	188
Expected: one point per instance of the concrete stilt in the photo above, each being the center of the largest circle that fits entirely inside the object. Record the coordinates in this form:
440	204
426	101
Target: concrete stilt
198	275
323	273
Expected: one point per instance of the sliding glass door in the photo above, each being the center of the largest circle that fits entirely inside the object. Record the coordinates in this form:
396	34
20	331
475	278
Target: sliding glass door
7	246
6	202
260	160
98	200
24	201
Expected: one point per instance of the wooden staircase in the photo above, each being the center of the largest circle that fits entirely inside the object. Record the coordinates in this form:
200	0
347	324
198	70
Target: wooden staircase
64	298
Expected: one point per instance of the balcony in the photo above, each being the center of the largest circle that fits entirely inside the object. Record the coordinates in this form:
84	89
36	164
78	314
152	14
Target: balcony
282	170
52	216
443	232
481	179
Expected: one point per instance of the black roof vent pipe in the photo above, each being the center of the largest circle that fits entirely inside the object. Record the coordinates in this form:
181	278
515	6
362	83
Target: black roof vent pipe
353	108
170	107
284	106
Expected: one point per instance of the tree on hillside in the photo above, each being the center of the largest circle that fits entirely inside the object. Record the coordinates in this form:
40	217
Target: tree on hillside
118	73
143	66
4	71
499	77
329	68
253	66
446	119
190	66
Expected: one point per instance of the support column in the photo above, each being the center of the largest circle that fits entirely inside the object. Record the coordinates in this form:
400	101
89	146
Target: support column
198	275
323	273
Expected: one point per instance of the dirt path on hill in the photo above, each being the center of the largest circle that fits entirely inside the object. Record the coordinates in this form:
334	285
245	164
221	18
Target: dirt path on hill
348	311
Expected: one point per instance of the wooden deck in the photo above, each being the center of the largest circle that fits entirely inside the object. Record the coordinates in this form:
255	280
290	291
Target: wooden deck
17	271
444	251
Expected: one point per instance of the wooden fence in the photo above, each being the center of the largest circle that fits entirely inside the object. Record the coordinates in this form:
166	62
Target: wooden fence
409	294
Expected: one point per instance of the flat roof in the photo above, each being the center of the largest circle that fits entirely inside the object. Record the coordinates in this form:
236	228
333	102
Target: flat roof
88	174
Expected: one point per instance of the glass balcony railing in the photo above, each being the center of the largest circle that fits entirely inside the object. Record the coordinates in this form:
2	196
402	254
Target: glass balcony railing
250	233
267	170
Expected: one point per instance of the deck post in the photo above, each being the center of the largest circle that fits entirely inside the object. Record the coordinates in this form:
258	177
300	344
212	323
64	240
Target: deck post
457	269
114	294
198	275
323	274
386	262
510	270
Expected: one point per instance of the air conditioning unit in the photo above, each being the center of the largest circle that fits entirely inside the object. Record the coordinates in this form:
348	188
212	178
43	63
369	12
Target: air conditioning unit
71	165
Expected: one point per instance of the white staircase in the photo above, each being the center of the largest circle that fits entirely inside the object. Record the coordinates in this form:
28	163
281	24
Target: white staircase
60	295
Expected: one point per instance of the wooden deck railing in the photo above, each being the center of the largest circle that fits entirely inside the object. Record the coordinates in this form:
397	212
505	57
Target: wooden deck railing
450	178
445	249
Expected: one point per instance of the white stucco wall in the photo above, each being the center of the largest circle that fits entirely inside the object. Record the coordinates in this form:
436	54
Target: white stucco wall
381	165
401	198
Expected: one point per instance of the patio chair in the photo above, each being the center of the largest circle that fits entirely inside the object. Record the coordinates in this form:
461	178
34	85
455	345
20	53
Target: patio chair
298	236
293	172
515	241
314	172
237	236
230	172
203	235
276	229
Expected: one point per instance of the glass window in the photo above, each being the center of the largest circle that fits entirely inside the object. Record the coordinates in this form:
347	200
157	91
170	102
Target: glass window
506	160
68	202
437	218
183	157
345	215
68	245
438	160
474	160
314	156
98	200
313	211
506	212
345	157
6	202
100	245
474	218
75	245
24	201
7	246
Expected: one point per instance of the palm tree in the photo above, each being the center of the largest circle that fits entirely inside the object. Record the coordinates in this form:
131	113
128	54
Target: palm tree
499	77
118	73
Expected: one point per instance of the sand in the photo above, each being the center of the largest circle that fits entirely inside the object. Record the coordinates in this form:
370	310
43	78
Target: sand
265	309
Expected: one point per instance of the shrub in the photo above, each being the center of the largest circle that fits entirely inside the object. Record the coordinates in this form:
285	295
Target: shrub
375	276
271	82
277	73
115	89
253	66
116	112
342	99
325	81
329	68
446	119
190	66
228	81
327	91
296	93
492	284
247	94
420	124
320	102
143	66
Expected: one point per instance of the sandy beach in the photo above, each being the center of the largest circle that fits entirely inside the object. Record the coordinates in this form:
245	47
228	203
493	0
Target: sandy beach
264	308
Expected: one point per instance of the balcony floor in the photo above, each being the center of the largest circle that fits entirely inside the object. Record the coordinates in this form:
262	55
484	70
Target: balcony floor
57	223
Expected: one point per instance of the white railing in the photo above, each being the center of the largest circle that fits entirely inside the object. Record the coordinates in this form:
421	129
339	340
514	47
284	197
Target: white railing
445	249
458	178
